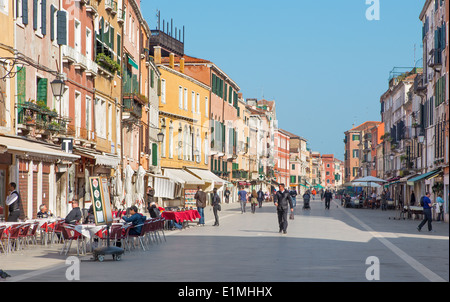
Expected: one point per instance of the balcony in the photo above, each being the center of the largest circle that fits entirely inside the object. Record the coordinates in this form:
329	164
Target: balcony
91	6
131	108
435	60
420	83
111	6
79	61
160	38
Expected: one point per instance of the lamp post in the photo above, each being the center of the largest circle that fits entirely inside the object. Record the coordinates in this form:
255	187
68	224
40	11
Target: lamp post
58	86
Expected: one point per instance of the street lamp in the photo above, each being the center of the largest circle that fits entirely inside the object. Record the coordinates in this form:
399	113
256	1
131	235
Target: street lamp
160	137
57	87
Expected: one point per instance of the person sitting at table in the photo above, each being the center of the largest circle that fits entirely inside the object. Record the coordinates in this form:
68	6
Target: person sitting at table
75	214
44	212
90	219
136	219
154	210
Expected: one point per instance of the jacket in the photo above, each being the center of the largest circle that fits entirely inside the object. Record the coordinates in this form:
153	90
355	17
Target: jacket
328	196
74	216
283	199
216	200
200	198
260	195
136	219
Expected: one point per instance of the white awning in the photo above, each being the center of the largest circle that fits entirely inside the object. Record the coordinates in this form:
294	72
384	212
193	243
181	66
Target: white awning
163	186
23	146
207	176
107	160
183	177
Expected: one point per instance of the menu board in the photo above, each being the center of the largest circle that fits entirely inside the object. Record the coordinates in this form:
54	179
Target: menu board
100	200
189	199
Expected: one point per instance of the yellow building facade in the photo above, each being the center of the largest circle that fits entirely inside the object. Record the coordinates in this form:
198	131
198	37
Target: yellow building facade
183	114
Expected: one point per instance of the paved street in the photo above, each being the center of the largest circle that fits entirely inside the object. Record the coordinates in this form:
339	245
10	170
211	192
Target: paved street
321	245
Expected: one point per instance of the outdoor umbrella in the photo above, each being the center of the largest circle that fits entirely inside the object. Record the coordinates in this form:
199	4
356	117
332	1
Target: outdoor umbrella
140	188
365	184
118	189
128	186
369	179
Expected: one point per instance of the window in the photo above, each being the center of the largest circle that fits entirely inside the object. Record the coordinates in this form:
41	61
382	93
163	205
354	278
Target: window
185	99
163	91
193	102
171	140
206	106
355	153
77	116
88	44
293	167
77	32
180	97
355	137
355	171
198	103
4	6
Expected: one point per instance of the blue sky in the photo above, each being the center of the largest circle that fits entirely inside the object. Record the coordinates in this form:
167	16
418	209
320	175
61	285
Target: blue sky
323	62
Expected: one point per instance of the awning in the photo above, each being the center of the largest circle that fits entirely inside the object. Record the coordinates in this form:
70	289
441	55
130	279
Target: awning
183	177
206	176
132	62
23	146
101	159
163	186
423	176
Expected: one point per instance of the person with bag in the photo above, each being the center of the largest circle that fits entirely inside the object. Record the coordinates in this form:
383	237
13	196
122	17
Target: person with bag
427	206
254	201
216	206
283	201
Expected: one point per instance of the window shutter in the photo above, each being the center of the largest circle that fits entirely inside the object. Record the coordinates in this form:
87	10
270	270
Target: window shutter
35	10
61	35
25	12
42	90
44	17
52	22
21	84
154	154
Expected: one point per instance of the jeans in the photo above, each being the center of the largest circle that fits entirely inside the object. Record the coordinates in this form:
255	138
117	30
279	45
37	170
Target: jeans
427	218
201	211
440	214
243	203
216	215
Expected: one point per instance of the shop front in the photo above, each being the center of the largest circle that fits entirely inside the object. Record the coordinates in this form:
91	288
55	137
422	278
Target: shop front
189	186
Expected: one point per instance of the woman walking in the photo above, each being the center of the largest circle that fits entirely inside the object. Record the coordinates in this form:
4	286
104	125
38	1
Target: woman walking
254	200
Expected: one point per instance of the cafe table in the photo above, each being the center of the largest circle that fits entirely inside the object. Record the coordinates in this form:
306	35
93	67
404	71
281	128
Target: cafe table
181	216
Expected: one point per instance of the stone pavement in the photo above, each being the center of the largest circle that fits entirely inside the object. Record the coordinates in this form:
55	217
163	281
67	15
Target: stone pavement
321	245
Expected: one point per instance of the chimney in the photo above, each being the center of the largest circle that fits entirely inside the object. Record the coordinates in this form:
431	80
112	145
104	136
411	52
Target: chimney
182	65
157	54
172	60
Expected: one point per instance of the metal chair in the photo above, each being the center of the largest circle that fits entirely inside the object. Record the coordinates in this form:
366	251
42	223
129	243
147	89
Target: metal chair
70	234
3	236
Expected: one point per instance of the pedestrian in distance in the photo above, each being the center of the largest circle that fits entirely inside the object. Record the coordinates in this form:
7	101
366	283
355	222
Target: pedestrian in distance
306	199
440	207
328	196
200	200
283	201
227	195
427	206
242	194
383	201
254	201
13	202
293	193
261	197
216	206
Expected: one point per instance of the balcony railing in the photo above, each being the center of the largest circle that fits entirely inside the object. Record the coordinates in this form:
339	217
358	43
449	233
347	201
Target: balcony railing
80	61
435	60
132	107
111	5
419	83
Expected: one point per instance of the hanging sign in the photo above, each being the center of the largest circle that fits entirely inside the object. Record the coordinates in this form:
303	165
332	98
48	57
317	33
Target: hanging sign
100	200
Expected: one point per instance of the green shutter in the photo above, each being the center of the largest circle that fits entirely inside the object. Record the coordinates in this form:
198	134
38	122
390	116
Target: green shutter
42	90
44	17
155	155
61	34
21	84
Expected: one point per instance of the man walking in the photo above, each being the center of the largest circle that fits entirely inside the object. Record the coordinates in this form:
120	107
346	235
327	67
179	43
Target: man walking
200	198
283	201
13	203
426	212
328	197
242	199
260	197
216	206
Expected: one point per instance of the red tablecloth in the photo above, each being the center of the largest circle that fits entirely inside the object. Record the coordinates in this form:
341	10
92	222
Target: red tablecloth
182	216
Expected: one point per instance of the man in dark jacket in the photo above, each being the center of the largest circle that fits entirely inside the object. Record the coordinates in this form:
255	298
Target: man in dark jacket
136	219
13	202
216	206
75	215
260	197
200	198
328	197
283	201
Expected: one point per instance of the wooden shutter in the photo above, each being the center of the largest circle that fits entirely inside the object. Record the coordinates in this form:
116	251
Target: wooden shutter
42	90
35	10
21	85
44	17
52	22
61	35
155	154
25	12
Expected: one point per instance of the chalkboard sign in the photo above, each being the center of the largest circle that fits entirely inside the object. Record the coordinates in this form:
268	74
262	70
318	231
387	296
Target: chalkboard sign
100	200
